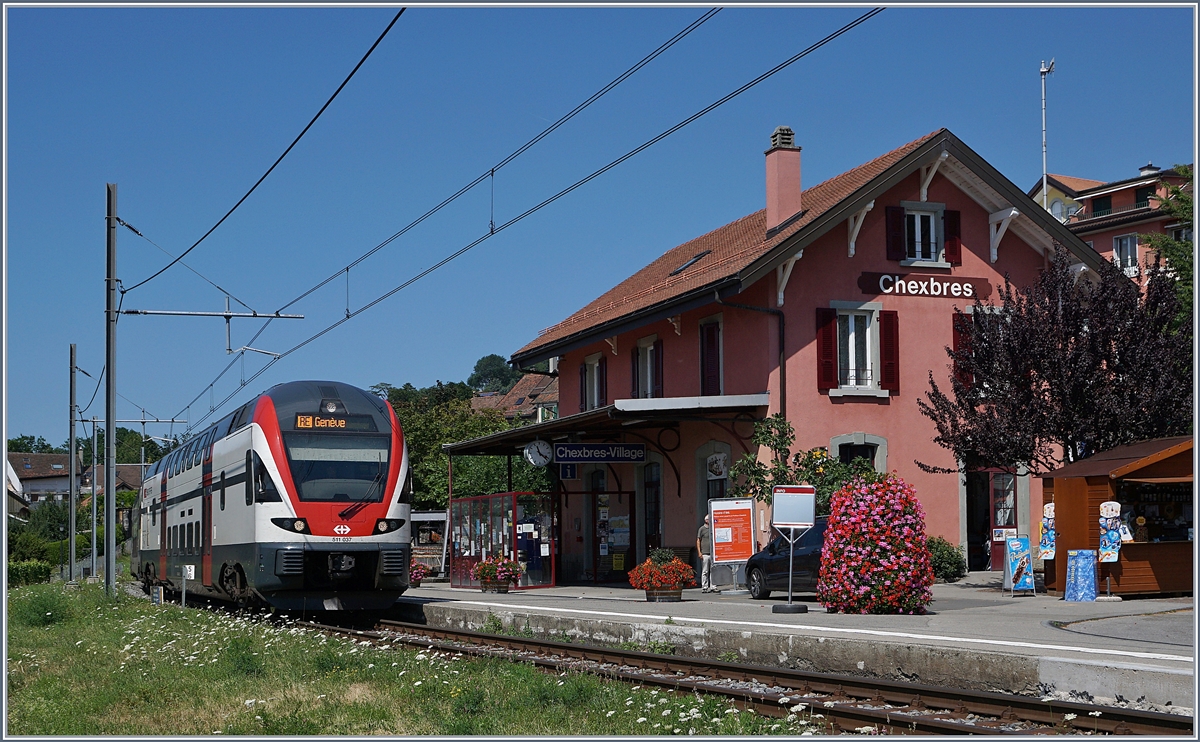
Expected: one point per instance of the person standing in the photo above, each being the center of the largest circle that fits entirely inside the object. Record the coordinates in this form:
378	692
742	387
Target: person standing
704	547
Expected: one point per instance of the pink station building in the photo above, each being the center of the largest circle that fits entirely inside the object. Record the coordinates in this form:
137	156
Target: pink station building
833	305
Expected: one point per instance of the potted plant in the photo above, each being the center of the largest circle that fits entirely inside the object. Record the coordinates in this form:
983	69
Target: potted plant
416	573
495	574
663	576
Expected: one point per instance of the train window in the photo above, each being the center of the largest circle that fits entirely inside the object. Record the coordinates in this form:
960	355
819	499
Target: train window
222	490
241	417
264	486
223	427
189	537
406	492
154	514
249	477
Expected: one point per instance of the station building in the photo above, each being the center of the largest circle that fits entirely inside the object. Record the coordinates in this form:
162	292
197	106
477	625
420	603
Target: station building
832	305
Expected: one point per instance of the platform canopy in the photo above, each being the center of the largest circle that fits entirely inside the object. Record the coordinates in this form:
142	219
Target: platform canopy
638	417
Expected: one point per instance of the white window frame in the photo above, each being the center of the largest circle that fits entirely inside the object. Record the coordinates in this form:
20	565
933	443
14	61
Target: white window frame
871	310
1130	266
646	378
936	213
1181	234
592	385
1062	210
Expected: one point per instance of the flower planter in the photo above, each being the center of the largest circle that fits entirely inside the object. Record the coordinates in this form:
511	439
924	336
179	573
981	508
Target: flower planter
414	583
673	594
493	586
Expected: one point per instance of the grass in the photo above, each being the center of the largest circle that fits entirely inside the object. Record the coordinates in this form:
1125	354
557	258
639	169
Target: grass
83	664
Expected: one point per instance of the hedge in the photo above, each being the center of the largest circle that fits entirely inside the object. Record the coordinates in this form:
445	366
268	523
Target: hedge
27	573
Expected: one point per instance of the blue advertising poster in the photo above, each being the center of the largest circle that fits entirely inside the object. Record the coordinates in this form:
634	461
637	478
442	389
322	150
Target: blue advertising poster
1081	575
1020	563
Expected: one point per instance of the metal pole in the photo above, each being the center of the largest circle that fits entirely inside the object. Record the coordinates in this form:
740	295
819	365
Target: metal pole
1044	71
110	402
94	443
791	560
72	471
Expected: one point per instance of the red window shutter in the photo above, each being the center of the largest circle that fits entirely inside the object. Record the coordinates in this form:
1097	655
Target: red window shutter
657	386
634	391
827	376
710	357
602	382
952	223
894	220
889	352
961	338
583	387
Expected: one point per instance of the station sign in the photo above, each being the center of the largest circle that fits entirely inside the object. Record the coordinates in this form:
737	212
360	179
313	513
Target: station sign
924	285
600	453
793	505
732	529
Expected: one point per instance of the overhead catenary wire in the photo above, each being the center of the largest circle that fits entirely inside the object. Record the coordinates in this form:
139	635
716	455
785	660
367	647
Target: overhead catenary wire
579	183
205	278
277	161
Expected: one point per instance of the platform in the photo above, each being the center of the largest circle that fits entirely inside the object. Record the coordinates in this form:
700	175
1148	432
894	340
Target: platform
973	636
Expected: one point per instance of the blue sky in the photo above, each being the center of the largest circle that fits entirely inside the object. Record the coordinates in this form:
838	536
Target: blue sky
184	108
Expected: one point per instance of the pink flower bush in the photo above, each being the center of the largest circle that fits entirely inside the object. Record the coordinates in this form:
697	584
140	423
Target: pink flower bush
875	559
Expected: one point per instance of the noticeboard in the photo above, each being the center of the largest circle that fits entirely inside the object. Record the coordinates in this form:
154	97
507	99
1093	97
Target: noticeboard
793	505
732	529
1081	575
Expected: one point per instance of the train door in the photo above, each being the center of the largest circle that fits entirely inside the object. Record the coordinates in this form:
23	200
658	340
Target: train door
206	529
162	527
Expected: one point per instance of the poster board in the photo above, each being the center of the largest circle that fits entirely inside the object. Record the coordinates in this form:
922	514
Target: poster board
732	529
1081	575
794	505
1018	564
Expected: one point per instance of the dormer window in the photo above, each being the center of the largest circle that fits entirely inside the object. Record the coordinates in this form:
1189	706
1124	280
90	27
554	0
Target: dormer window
923	234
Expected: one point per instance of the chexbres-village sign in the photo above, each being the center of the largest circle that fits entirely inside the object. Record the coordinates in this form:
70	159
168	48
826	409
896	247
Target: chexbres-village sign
919	284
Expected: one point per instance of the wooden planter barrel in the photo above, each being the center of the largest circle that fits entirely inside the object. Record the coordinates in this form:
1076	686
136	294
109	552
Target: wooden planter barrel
493	586
673	594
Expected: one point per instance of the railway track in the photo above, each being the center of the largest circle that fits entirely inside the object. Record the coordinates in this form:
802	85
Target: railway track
836	702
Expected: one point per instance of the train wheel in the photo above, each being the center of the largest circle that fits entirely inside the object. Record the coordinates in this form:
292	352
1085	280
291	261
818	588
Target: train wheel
233	582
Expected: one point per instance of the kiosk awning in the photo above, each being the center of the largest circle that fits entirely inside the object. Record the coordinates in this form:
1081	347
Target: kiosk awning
623	415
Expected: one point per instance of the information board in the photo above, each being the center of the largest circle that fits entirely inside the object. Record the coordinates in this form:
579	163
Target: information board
1081	575
732	529
793	505
1019	563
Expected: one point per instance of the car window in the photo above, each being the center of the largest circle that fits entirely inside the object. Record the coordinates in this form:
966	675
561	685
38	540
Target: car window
814	536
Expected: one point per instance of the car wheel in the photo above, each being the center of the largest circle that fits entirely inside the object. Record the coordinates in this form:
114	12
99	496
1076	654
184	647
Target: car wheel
758	585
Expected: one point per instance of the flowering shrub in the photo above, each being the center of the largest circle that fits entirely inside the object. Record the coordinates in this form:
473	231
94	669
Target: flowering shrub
662	569
875	559
417	572
496	569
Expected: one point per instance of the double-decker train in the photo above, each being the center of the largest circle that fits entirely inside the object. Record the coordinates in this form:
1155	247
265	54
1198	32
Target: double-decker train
300	499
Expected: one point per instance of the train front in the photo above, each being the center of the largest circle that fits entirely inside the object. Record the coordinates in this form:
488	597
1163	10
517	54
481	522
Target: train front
333	498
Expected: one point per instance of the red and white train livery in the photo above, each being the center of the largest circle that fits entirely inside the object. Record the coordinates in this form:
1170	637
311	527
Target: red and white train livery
299	499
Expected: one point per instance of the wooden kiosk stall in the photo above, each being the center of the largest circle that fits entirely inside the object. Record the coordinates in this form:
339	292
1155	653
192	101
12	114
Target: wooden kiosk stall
1153	481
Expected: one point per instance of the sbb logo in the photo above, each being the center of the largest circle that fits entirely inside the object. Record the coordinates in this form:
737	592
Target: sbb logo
341	529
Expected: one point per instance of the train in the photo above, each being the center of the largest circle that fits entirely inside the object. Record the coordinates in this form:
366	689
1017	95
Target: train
300	499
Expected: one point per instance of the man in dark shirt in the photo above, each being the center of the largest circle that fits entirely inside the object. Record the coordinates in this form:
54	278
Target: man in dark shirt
704	547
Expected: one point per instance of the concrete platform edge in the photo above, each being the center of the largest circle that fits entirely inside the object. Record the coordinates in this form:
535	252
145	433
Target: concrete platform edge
952	666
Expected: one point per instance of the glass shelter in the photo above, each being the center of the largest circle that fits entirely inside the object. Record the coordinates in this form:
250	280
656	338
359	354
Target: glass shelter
517	525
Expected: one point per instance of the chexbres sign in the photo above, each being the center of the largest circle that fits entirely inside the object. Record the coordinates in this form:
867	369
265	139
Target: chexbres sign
600	453
916	284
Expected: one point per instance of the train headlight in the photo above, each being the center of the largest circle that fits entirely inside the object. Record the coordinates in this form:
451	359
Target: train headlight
386	525
296	525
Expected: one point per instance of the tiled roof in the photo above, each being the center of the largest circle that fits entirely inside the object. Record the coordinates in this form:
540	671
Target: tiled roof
530	391
1109	221
486	401
129	476
1075	184
41	465
730	249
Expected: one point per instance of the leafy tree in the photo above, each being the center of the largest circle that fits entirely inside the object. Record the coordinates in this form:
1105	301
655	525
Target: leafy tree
492	374
441	414
1178	255
1063	368
756	479
30	444
129	446
46	517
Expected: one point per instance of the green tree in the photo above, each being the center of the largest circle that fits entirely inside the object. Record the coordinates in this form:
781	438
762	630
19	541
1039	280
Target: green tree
815	466
129	444
1177	254
30	444
492	374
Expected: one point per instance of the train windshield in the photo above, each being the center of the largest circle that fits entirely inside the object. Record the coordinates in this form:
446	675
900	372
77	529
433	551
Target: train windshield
338	467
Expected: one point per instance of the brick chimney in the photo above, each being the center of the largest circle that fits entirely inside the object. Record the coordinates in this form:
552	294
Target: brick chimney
783	177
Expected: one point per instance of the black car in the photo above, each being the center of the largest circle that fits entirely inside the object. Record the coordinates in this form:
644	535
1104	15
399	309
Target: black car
768	569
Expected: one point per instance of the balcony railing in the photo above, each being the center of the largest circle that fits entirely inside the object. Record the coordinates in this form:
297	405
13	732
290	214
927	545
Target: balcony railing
1109	212
854	377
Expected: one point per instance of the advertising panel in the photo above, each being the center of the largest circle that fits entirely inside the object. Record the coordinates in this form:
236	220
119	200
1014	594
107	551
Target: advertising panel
732	529
1019	564
1081	575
